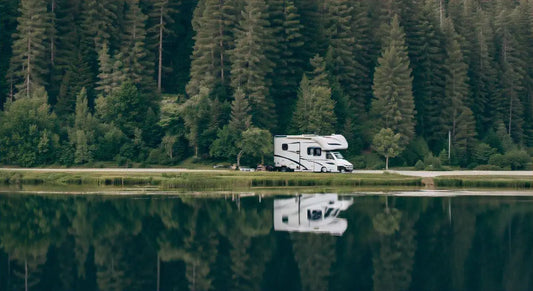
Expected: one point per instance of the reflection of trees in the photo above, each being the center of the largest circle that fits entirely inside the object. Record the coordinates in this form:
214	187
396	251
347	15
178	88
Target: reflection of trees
393	262
26	229
314	254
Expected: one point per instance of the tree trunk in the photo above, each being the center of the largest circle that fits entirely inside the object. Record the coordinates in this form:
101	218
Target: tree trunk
160	64
386	163
239	155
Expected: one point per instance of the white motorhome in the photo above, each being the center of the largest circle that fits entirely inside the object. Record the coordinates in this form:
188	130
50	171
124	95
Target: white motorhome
315	213
310	153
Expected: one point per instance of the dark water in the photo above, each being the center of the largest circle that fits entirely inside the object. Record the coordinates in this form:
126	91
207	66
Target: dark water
349	243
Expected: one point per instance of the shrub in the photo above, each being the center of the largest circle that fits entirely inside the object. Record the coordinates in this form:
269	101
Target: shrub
358	162
514	160
482	152
419	166
487	168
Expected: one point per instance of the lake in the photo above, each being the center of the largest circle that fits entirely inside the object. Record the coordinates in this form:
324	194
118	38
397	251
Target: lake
249	241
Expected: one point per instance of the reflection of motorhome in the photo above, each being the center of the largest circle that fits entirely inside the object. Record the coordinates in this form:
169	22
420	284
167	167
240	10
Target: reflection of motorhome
311	153
311	213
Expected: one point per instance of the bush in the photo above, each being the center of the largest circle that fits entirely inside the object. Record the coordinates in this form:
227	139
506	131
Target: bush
514	160
374	162
432	163
358	162
419	166
482	152
487	168
416	150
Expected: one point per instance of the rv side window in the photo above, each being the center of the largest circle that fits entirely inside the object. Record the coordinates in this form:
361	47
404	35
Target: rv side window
284	146
314	151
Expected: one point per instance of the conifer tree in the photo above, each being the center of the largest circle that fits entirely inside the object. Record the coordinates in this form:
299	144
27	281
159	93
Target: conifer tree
76	77
454	109
318	76
511	76
8	24
105	72
342	63
240	112
138	66
29	62
196	112
250	64
161	15
287	59
314	109
213	23
82	134
393	105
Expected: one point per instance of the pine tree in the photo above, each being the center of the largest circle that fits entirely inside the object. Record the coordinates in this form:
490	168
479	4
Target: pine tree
29	62
213	23
138	66
161	15
287	60
425	43
456	88
82	134
250	63
393	105
240	112
511	76
76	77
105	71
342	63
318	76
314	109
8	24
196	113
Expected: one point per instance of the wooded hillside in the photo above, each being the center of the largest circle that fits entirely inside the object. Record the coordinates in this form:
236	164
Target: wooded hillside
157	81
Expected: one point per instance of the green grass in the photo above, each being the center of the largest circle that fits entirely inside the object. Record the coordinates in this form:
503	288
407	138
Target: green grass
213	180
516	182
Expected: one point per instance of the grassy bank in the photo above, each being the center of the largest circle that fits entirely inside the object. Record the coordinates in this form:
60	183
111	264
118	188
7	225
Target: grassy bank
484	182
198	181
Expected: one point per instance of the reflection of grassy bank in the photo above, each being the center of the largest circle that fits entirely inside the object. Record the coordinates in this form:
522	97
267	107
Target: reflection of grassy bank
215	180
485	182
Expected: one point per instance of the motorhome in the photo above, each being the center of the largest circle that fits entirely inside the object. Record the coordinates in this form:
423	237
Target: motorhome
316	213
310	153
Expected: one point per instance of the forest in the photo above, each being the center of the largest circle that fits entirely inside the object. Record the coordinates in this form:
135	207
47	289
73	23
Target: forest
157	82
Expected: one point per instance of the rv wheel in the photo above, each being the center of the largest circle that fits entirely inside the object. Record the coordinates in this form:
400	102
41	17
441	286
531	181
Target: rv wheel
342	170
323	170
283	169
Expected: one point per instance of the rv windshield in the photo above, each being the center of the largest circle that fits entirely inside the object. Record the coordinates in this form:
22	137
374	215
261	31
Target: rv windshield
337	155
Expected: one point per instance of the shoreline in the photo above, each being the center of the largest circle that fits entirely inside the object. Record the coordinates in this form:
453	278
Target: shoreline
179	179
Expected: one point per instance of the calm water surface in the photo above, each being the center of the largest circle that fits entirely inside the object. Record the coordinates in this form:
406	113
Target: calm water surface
307	242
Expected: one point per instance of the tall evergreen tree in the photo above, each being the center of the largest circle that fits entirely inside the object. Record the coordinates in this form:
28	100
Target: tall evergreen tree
240	112
161	15
314	109
29	62
511	76
8	24
288	64
138	65
393	106
82	134
105	71
213	23
250	64
455	114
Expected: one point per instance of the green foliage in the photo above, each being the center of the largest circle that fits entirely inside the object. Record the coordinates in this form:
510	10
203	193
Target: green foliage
513	160
28	132
314	110
250	64
393	106
29	61
387	144
256	143
225	146
420	166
